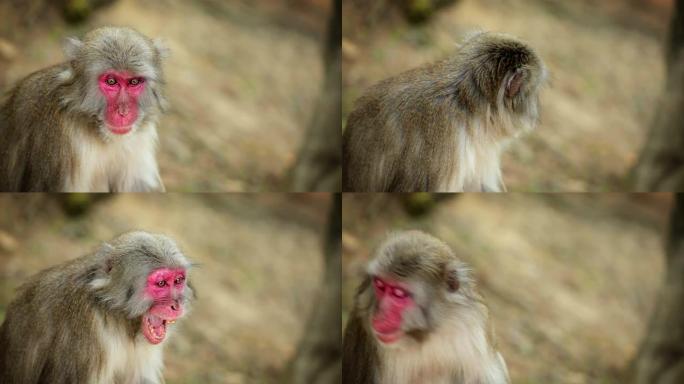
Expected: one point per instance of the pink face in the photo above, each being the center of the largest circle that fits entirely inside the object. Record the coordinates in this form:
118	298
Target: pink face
165	287
121	91
393	299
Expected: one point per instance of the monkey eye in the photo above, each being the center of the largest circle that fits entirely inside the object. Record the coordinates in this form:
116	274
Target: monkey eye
110	81
161	283
379	284
179	280
399	293
135	81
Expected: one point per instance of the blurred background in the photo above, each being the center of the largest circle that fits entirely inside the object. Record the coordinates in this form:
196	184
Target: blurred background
259	273
607	70
570	280
243	77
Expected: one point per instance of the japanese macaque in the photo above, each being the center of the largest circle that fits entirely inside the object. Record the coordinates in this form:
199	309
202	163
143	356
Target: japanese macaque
89	124
442	127
417	318
101	318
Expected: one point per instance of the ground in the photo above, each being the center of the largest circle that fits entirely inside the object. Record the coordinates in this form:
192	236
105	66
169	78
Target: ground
570	280
606	66
258	269
242	79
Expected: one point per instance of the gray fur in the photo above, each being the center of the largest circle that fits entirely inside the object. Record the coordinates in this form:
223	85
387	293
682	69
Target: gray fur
50	333
38	117
448	328
447	120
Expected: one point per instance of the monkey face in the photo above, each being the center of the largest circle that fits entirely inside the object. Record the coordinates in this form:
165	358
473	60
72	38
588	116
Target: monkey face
165	287
392	299
121	91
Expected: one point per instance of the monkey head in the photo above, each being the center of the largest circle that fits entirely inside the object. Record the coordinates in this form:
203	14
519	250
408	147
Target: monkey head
498	75
144	277
120	76
414	283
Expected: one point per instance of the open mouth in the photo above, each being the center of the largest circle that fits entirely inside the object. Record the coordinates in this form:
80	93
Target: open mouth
154	328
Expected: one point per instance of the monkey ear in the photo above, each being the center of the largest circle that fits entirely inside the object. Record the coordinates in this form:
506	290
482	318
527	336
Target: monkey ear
515	82
107	260
452	276
72	47
162	48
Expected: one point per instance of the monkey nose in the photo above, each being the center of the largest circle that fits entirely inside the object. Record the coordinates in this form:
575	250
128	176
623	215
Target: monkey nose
123	110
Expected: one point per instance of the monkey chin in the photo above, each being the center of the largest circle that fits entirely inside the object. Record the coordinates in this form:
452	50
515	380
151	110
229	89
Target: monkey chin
119	130
154	328
116	129
389	338
111	129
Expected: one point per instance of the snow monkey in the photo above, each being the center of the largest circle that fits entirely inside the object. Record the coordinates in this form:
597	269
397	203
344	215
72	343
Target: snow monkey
417	318
442	127
88	124
101	318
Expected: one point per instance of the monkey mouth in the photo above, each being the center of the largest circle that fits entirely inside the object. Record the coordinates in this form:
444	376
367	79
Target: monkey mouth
154	328
119	130
389	337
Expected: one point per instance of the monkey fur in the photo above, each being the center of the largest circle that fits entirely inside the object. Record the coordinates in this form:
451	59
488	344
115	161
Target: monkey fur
442	127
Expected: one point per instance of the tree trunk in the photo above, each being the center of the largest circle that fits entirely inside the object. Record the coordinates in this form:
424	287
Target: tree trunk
319	356
661	163
661	357
318	166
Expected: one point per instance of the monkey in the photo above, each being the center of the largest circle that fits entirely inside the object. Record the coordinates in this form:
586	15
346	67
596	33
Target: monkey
442	127
88	124
100	318
418	318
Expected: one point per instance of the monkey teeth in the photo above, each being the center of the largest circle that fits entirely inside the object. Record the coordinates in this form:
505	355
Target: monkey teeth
171	321
154	328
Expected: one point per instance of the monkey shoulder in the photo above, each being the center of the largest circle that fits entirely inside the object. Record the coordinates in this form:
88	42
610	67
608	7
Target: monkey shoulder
47	80
36	99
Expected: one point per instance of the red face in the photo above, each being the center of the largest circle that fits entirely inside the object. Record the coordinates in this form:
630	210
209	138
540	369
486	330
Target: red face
165	288
121	91
393	299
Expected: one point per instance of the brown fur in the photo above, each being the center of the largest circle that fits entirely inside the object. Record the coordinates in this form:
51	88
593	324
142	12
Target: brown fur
441	127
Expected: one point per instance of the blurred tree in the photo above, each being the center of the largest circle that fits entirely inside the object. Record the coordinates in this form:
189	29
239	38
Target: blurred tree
318	166
78	204
661	357
417	204
661	164
418	11
422	203
76	11
319	355
30	12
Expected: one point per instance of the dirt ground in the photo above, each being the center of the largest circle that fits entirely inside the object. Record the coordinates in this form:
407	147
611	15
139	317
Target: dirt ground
606	66
242	79
259	265
570	280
